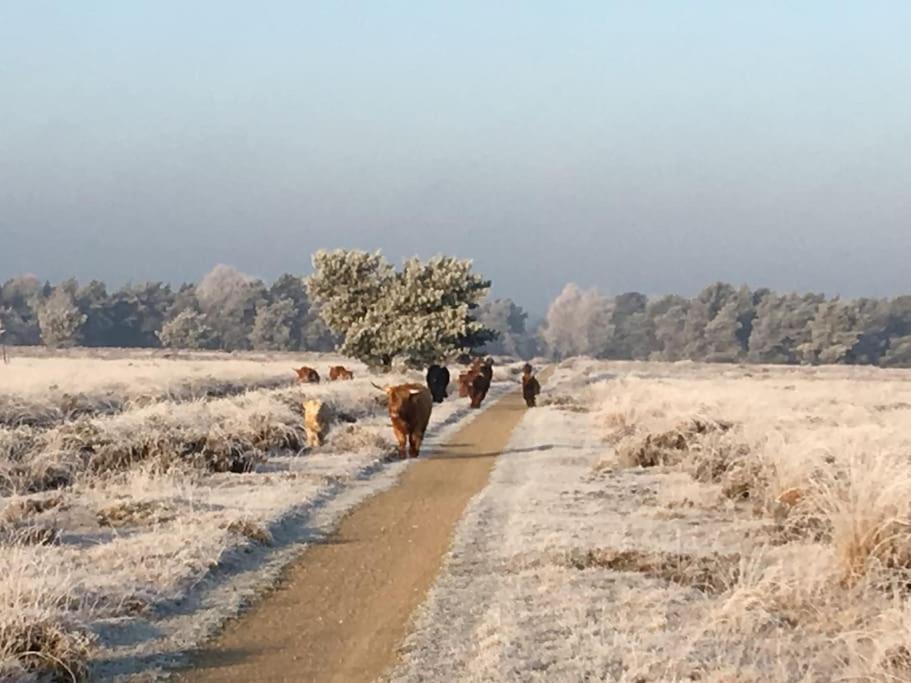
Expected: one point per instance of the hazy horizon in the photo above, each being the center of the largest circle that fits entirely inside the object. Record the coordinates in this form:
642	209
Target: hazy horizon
624	147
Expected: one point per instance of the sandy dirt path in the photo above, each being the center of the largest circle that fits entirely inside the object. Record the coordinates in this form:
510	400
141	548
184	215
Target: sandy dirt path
344	607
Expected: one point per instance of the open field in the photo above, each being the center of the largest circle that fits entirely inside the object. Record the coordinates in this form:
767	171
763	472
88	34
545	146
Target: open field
661	522
42	389
648	522
130	534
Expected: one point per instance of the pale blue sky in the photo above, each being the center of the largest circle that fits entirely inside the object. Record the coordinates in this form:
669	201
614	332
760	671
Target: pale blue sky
639	145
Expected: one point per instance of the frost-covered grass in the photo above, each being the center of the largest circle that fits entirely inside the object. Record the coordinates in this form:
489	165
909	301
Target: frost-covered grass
42	391
686	522
126	538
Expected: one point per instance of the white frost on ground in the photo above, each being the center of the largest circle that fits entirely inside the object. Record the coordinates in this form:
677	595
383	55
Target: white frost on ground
564	571
298	500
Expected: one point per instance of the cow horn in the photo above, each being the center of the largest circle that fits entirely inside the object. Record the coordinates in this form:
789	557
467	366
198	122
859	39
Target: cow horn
379	387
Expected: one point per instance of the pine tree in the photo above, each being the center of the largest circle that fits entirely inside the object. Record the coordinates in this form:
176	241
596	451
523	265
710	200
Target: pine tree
422	314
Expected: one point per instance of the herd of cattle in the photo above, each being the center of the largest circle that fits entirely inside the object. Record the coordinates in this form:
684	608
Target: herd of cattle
410	404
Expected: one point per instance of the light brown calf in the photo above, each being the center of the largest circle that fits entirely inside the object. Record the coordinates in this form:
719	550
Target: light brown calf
316	422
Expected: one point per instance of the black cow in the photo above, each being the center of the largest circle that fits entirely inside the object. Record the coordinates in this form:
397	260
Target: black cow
530	386
438	382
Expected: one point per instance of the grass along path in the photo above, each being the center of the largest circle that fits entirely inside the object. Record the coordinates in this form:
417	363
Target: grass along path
344	607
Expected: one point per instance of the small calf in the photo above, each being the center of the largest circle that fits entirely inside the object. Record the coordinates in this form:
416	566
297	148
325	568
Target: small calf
316	422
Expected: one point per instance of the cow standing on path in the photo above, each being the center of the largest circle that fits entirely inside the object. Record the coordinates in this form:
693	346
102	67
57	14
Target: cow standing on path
467	377
409	409
480	383
438	382
530	386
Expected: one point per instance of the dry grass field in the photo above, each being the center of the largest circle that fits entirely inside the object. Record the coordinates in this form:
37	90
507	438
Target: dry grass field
678	522
143	498
648	522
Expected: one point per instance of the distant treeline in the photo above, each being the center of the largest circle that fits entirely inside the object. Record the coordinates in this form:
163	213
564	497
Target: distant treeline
226	310
728	324
232	311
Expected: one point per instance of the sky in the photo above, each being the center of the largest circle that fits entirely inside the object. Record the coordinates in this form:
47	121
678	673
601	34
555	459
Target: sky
643	145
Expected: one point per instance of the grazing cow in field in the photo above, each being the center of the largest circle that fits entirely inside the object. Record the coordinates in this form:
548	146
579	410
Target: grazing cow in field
307	375
316	422
340	372
409	410
480	383
438	382
530	386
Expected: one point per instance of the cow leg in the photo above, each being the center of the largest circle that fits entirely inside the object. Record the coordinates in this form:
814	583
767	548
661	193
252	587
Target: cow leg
416	440
402	438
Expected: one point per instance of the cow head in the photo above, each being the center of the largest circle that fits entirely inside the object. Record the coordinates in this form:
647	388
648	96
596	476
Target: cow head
398	396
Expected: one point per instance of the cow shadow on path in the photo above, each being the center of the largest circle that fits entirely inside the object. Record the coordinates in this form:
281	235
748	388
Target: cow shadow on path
442	453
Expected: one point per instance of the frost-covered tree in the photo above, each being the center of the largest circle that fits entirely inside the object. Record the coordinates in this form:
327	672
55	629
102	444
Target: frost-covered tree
874	317
669	316
308	331
578	323
94	303
188	330
274	326
727	334
423	313
139	311
228	299
721	335
633	334
781	327
899	353
20	298
507	319
700	313
60	319
833	332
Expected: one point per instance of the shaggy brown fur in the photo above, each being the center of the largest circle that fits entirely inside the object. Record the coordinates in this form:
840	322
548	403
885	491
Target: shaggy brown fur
340	372
480	383
409	409
307	375
530	386
316	422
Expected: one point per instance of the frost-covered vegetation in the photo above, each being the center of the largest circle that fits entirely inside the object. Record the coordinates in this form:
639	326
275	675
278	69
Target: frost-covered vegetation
674	522
422	314
226	310
727	324
230	310
174	477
